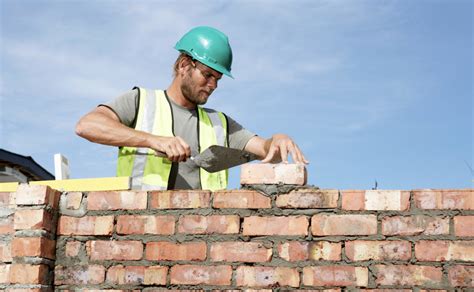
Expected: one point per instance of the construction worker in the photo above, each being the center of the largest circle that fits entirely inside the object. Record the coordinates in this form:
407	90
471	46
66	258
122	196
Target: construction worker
143	121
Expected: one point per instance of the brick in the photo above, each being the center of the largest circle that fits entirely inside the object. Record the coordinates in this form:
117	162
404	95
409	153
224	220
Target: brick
170	251
267	173
240	199
335	276
322	225
76	275
377	200
155	275
275	225
73	248
442	250
6	225
464	226
87	225
73	200
5	274
28	274
214	224
5	251
200	275
249	252
33	220
37	195
128	200
6	199
122	275
309	198
408	275
145	224
267	277
444	199
180	199
365	250
415	225
316	250
101	250
461	276
33	247
44	289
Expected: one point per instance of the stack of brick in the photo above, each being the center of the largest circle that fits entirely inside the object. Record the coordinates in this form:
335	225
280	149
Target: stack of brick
298	238
28	245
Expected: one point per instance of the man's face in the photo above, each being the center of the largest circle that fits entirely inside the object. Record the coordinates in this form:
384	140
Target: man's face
199	82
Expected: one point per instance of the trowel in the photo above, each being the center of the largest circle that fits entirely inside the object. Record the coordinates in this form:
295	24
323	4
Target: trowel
217	158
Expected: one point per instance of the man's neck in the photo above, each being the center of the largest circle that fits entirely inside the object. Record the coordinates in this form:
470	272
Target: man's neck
174	92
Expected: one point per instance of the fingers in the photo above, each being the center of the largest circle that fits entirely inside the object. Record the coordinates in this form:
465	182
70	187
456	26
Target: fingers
281	147
271	154
176	149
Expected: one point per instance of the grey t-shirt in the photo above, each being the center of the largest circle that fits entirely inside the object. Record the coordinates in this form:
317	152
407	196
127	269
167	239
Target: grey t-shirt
184	175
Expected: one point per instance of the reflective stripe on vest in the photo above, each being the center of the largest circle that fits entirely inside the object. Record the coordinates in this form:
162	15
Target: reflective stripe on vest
150	172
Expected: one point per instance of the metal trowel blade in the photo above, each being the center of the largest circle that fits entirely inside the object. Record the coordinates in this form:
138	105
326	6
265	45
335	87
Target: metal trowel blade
217	158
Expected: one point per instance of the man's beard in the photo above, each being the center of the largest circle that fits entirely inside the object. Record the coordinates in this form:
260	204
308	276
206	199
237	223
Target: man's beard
187	88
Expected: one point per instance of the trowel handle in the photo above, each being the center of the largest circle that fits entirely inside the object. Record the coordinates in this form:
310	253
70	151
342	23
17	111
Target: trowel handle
157	153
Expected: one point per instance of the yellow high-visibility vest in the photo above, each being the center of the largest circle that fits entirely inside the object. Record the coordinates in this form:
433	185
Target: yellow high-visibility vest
150	172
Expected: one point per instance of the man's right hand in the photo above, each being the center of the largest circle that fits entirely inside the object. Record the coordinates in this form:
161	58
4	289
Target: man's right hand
175	148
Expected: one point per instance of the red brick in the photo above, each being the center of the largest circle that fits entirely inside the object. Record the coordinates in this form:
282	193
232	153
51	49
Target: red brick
364	250
87	225
241	199
145	224
250	252
37	195
441	250
378	200
201	275
77	275
267	173
180	199
415	225
267	277
220	224
33	247
6	225
444	199
137	275
73	200
128	200
73	248
5	251
44	289
6	199
28	274
170	251
408	275
155	275
309	198
5	274
316	250
275	225
33	219
114	250
343	225
335	276
461	276
464	225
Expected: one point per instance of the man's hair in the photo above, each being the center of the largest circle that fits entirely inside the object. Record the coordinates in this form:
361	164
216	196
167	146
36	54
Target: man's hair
176	63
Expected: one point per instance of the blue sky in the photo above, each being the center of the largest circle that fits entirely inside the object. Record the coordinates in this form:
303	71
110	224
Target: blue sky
370	90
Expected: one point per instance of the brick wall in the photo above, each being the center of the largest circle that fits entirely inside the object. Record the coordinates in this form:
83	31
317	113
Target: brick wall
289	238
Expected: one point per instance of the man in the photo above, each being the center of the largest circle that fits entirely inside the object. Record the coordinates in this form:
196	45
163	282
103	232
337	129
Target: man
145	122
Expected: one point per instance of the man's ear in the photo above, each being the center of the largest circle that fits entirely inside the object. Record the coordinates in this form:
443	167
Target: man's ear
184	65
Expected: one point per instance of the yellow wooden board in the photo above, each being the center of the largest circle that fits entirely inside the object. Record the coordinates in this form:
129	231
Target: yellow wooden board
84	184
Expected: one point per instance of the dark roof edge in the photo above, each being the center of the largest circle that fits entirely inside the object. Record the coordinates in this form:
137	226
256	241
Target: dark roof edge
28	164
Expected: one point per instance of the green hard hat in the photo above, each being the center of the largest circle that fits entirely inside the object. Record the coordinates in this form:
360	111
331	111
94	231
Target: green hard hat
209	46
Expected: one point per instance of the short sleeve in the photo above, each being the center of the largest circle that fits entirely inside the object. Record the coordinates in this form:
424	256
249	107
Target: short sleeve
125	107
238	135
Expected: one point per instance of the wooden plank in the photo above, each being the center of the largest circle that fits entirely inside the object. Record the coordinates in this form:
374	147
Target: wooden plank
84	184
